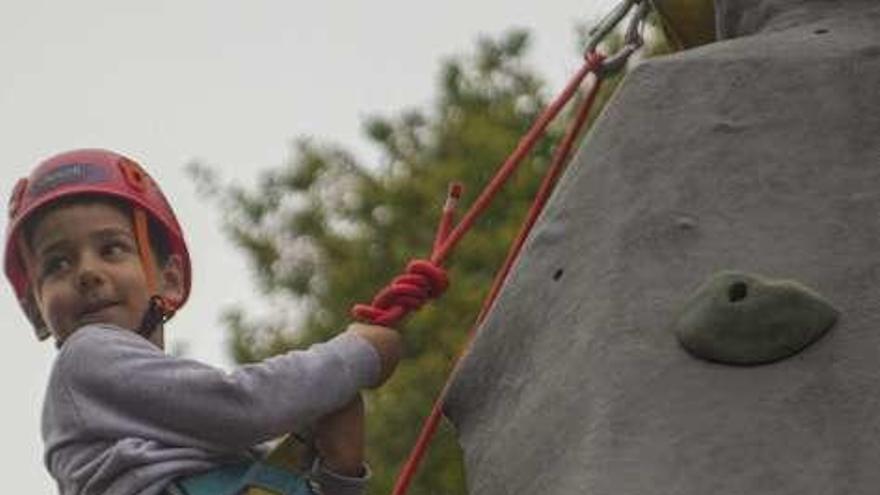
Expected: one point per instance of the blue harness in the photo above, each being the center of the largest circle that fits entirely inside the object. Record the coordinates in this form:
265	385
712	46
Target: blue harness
236	478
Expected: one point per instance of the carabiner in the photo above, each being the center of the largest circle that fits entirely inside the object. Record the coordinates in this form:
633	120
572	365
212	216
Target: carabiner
632	38
609	23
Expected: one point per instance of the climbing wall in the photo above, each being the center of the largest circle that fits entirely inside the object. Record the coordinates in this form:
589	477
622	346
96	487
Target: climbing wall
757	154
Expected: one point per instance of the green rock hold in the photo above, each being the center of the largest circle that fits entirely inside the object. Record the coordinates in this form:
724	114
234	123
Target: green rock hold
746	319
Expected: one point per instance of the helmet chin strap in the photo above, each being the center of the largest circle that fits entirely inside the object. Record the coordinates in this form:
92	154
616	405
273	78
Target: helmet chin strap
160	308
157	313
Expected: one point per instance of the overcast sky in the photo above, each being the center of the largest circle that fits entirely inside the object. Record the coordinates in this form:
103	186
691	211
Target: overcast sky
229	83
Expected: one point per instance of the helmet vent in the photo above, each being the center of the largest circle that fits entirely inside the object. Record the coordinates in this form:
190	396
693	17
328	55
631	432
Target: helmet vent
134	175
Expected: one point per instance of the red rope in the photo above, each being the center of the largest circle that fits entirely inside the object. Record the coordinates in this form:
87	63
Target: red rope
592	63
399	299
441	251
422	280
447	218
557	165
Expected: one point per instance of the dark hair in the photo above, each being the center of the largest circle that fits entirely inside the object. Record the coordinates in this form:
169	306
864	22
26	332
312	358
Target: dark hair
159	244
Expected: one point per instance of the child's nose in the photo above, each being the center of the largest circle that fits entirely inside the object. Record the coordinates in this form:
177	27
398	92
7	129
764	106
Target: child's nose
89	275
89	279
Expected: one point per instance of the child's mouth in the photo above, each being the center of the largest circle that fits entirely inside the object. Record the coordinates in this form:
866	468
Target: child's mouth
96	312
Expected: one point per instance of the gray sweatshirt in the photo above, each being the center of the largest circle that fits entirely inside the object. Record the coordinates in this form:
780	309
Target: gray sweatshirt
121	417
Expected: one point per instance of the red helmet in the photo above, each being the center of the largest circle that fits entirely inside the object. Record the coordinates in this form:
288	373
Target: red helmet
92	172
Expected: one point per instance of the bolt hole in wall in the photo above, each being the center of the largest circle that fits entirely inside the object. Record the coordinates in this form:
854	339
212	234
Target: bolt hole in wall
557	274
737	292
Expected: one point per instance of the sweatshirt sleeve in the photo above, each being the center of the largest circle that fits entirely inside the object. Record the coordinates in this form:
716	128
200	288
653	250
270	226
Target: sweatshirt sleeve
123	386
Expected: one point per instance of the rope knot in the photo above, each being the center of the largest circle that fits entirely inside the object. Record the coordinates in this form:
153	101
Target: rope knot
421	281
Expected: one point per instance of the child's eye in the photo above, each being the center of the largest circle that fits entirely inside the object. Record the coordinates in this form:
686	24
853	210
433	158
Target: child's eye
115	249
54	265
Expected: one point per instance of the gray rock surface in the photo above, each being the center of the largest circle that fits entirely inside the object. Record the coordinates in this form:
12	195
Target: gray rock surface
758	153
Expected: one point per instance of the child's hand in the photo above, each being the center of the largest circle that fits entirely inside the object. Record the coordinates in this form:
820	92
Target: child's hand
387	342
339	438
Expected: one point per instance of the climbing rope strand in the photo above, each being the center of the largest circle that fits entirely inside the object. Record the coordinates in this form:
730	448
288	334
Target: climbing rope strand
557	165
448	216
390	306
420	448
559	160
592	63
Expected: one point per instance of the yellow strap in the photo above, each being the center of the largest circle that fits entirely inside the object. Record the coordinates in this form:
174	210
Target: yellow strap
688	23
142	237
291	455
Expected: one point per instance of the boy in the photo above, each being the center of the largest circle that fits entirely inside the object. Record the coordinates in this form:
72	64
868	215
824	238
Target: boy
98	262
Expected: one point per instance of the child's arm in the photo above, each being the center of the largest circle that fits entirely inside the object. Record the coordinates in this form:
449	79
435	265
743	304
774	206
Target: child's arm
339	436
339	439
115	382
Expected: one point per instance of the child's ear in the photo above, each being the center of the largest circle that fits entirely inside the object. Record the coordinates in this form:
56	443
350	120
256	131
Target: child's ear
171	276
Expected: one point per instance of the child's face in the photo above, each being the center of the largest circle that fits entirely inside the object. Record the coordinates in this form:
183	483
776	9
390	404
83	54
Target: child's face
87	269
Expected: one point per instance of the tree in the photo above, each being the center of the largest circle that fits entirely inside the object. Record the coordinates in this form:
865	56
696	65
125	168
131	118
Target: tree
325	231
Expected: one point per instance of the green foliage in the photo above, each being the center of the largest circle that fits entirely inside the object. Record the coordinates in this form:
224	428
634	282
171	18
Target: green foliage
324	231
